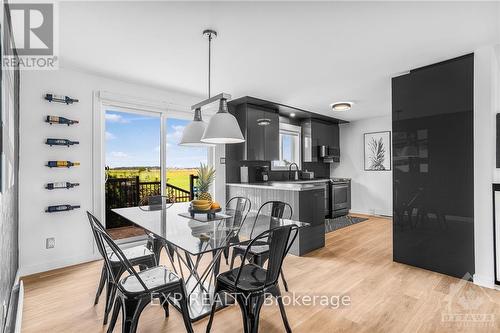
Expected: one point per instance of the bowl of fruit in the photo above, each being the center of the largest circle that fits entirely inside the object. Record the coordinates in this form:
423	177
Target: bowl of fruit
204	207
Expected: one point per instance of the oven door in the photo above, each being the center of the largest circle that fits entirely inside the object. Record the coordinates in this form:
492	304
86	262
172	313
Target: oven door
340	196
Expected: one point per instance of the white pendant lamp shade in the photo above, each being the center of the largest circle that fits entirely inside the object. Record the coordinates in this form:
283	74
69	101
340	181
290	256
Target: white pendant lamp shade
223	127
191	136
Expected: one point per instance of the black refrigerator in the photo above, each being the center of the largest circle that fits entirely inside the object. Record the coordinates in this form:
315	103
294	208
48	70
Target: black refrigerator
433	167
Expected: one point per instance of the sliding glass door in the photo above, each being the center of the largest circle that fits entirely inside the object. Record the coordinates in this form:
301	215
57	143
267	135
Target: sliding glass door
132	163
181	161
135	166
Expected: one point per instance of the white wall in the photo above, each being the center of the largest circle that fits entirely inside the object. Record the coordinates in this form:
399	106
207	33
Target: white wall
371	191
486	103
74	243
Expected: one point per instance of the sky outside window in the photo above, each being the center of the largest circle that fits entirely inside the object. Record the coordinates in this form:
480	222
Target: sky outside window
133	140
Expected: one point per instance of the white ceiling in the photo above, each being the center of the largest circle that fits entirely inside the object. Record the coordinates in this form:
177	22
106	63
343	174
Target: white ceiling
302	54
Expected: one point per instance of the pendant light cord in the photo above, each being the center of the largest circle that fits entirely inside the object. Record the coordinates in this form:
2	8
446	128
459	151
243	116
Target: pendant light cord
209	61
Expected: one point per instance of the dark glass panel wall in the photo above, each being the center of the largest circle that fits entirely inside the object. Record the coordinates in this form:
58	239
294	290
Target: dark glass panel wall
432	114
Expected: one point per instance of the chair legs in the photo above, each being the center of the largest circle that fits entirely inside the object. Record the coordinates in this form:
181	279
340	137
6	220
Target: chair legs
233	257
250	310
102	282
110	293
283	279
214	308
131	311
116	311
276	293
184	308
226	255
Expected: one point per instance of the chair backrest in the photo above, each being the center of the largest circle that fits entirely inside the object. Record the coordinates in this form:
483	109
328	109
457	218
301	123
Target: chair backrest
277	209
93	223
155	202
103	239
238	208
279	244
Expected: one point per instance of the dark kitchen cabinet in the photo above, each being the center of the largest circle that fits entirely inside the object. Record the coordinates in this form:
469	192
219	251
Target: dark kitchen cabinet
318	133
261	141
433	167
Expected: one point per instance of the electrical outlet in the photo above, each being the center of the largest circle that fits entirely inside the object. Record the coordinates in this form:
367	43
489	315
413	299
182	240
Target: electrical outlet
50	243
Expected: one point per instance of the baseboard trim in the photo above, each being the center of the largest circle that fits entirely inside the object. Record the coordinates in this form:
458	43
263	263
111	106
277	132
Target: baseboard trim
15	310
28	270
51	265
483	281
370	214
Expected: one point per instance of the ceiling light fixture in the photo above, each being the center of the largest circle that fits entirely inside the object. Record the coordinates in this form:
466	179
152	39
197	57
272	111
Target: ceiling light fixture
292	115
263	121
223	126
341	106
191	136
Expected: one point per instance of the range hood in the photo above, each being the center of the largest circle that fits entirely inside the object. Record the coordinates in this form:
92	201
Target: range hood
329	154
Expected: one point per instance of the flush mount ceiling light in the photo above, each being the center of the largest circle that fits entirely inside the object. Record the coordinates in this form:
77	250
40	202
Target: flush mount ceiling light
223	126
263	121
292	115
341	106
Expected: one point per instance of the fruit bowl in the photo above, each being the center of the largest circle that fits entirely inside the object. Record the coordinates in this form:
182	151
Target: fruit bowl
210	212
201	204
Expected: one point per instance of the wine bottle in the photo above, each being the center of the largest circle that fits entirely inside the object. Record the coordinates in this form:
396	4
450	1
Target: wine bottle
60	120
60	99
60	208
61	164
54	186
61	142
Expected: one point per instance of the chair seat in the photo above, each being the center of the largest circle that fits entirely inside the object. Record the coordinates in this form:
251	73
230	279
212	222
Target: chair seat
252	277
132	253
154	278
257	249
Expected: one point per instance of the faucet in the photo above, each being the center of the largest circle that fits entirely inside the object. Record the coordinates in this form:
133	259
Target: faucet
296	177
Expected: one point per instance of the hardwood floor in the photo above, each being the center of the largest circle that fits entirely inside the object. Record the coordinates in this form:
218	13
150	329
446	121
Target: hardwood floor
355	263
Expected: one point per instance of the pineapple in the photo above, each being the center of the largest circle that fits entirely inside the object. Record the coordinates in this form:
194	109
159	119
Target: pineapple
206	176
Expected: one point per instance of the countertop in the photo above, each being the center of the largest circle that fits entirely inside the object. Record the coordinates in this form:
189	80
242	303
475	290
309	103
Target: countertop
300	185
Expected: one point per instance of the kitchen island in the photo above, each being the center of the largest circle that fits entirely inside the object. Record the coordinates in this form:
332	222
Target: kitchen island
307	201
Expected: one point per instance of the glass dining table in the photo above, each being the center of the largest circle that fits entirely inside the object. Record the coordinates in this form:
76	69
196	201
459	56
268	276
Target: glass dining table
188	240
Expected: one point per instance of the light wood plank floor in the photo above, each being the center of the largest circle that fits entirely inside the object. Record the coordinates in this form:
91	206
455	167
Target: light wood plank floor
356	262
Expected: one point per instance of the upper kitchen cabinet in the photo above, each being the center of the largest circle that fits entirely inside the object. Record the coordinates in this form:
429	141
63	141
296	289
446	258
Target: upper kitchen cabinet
317	133
260	127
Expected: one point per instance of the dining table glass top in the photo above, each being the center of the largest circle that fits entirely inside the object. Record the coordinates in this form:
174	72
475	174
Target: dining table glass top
197	237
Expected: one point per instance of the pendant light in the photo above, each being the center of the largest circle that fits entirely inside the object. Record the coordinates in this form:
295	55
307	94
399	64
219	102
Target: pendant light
191	136
223	127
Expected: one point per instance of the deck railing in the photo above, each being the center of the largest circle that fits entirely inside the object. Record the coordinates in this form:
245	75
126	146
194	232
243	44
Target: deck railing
128	192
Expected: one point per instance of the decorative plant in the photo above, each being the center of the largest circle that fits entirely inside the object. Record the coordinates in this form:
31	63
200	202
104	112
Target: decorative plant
206	176
377	155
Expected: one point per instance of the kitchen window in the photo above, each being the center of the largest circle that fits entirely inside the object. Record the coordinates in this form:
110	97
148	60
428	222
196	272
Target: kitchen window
290	147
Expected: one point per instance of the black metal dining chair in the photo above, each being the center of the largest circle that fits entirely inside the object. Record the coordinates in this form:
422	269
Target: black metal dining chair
135	291
156	202
238	208
138	256
259	253
251	284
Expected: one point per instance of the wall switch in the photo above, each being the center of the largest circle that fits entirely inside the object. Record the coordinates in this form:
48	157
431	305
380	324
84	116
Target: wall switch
50	243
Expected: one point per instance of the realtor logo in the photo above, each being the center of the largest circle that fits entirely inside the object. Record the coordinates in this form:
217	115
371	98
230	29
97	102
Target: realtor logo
32	36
